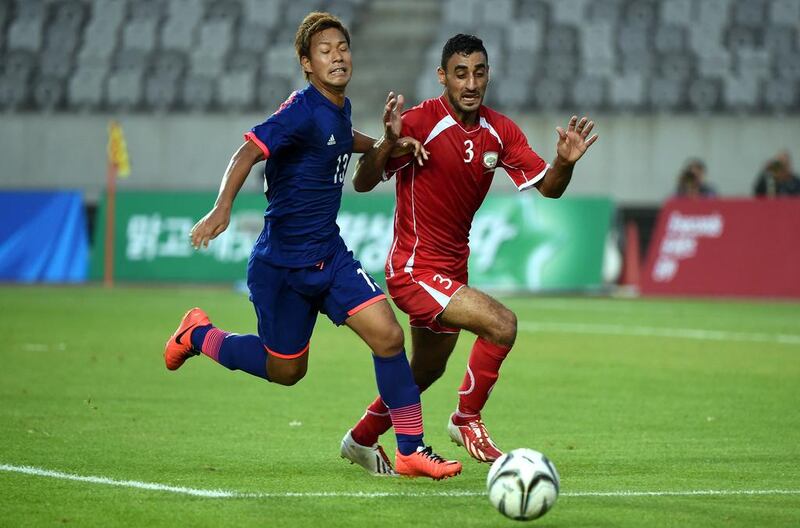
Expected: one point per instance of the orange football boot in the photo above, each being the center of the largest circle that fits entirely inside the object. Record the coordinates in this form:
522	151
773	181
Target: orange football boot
179	345
425	463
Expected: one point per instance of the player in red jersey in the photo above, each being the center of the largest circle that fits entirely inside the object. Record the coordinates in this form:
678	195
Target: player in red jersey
426	269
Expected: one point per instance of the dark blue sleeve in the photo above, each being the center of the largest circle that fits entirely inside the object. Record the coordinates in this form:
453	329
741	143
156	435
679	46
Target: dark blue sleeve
282	129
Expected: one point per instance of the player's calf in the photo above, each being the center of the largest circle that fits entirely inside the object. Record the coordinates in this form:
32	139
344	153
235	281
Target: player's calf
503	328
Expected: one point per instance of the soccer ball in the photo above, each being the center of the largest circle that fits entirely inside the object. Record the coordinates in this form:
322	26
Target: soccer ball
523	484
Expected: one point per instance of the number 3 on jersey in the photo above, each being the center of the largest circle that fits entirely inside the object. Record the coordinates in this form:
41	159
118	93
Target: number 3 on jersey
341	168
468	153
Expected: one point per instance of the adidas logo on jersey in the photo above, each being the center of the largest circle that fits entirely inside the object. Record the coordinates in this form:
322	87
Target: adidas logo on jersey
332	140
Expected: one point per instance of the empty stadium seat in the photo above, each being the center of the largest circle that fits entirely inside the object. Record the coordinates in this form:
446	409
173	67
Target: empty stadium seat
161	92
784	12
704	94
670	38
26	34
780	95
461	13
549	94
271	92
676	12
198	92
666	93
13	93
589	93
237	89
627	91
511	93
706	55
570	13
48	93
85	88
524	35
56	63
717	64
740	93
124	89
266	13
140	34
755	63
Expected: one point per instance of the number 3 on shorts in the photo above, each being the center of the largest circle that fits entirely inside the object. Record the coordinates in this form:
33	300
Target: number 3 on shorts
366	278
444	281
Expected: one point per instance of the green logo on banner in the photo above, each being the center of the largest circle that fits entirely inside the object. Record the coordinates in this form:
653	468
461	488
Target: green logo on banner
517	242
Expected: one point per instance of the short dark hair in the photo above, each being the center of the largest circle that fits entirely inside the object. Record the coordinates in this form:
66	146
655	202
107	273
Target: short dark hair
695	162
312	24
463	44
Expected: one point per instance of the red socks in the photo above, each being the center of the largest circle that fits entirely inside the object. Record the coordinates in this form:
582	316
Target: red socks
482	372
374	423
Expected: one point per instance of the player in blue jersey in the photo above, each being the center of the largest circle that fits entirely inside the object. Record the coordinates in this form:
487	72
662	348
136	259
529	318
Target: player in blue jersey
300	265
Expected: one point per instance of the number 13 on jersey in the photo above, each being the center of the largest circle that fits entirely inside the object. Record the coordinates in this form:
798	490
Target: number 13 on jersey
341	168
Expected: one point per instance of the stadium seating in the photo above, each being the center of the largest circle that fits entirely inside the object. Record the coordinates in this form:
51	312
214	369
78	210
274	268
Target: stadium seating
738	56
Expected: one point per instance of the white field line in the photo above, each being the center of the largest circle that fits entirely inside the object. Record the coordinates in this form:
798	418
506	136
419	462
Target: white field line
623	306
648	331
228	494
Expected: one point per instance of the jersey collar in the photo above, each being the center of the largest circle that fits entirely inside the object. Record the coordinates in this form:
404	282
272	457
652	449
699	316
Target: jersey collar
446	103
318	95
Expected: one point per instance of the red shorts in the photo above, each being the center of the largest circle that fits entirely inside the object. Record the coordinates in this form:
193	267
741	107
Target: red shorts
424	294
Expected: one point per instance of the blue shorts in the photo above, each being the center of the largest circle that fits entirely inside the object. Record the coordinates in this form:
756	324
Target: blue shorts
287	300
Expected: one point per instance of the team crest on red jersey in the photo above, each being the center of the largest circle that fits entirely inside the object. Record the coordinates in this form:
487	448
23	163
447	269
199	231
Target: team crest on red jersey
490	160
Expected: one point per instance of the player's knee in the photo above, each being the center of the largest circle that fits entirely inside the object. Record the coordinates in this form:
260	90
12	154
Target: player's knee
391	342
504	331
288	374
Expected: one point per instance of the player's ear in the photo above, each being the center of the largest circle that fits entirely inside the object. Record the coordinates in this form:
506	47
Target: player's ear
305	62
442	79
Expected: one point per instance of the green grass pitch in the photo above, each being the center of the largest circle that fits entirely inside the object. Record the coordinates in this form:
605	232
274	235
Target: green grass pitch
602	386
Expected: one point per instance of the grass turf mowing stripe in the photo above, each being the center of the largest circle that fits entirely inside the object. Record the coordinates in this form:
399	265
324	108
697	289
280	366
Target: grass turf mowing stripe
646	331
226	494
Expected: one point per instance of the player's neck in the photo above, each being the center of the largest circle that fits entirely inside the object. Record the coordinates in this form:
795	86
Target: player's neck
332	94
466	119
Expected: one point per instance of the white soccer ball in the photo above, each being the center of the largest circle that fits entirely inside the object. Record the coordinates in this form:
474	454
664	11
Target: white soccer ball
523	484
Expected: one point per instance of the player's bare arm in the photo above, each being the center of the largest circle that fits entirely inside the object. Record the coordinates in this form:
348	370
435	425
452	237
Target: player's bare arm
362	142
572	145
405	145
216	221
370	167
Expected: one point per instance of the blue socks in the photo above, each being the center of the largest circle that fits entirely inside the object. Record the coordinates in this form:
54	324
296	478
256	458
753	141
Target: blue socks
401	395
236	352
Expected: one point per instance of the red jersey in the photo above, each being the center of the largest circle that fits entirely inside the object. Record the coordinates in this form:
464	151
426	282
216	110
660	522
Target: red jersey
436	202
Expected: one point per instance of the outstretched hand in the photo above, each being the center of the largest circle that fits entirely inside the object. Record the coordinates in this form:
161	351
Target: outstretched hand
392	122
210	227
393	127
573	142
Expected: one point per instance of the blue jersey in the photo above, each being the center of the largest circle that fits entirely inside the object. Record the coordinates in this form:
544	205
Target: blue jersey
308	142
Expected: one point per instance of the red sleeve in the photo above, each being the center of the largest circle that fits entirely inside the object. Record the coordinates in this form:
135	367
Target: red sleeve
410	129
523	165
